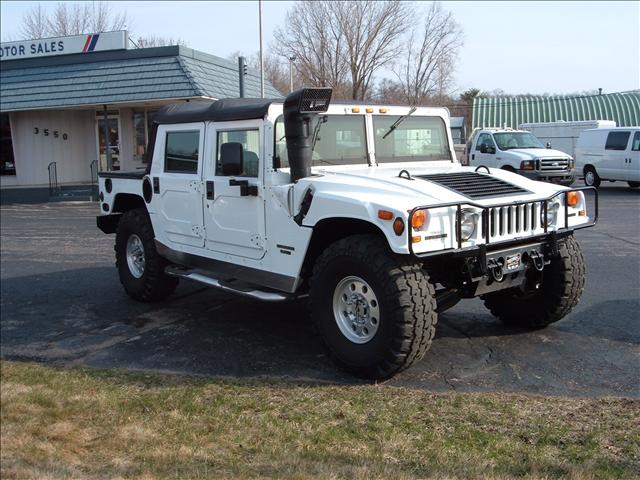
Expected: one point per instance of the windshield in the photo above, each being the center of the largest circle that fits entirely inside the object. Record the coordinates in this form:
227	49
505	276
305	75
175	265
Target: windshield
341	140
508	140
414	139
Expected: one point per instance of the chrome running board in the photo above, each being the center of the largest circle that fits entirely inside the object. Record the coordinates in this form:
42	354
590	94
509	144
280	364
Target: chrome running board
228	286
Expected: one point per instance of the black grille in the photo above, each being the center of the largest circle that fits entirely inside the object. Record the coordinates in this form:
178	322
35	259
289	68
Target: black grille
474	185
315	100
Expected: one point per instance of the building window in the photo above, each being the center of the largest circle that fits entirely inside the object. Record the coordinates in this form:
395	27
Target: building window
181	152
7	160
142	122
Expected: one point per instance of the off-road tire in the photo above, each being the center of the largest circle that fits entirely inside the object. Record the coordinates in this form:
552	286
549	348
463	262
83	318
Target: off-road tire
406	299
633	184
154	284
562	285
596	181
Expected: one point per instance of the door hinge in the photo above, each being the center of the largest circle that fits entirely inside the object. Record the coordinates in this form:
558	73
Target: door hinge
199	230
257	240
196	186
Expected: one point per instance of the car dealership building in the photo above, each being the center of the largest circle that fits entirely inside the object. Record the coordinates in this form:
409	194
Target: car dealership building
71	106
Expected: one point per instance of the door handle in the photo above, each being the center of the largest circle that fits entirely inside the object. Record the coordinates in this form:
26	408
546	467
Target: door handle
210	190
473	156
156	185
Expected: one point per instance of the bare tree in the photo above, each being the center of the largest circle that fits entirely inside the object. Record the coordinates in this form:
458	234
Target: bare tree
154	41
35	23
313	36
72	19
430	58
373	32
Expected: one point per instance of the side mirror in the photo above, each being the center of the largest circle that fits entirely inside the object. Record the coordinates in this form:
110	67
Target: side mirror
548	144
231	158
485	148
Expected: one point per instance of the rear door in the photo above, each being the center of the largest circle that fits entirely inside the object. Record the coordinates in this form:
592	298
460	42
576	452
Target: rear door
176	178
616	153
234	204
633	163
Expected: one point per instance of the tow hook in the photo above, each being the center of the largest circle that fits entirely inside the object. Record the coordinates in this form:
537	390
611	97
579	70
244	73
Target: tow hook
495	269
537	260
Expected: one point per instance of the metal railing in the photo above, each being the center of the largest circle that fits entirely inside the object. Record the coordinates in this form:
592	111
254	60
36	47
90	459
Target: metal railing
54	189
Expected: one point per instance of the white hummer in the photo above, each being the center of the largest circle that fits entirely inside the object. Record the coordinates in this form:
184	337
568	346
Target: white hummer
362	208
521	152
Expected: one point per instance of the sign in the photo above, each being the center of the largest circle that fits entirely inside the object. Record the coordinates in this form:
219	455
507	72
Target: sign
47	47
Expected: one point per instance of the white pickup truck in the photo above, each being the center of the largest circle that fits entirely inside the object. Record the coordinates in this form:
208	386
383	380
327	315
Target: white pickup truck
521	152
364	209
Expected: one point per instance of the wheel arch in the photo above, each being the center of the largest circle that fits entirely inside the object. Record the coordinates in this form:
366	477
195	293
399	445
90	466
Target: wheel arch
123	202
330	230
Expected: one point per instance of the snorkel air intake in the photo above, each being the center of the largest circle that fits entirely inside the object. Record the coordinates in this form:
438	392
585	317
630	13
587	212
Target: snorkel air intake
300	108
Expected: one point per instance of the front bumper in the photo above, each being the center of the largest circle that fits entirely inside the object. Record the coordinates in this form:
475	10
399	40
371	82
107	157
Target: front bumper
545	236
565	177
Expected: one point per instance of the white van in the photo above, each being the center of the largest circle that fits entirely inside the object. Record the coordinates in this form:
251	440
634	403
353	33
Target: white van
563	135
609	154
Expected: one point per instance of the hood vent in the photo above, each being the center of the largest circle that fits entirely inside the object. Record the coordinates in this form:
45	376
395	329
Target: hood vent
474	185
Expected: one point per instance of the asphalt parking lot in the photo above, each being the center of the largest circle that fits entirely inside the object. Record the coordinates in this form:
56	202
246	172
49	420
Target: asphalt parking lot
62	303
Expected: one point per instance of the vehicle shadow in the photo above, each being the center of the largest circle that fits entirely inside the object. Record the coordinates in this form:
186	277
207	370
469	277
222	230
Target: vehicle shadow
83	317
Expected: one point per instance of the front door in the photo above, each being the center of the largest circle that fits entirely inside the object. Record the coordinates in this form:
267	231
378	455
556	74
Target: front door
487	159
111	144
176	174
234	213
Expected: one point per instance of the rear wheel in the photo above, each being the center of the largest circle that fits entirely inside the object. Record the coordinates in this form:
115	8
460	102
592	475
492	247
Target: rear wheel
375	311
140	267
591	177
559	291
634	184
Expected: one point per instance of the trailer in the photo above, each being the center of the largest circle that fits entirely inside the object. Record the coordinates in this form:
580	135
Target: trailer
563	135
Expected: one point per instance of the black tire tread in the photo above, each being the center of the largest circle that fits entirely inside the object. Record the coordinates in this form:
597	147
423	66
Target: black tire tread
565	284
157	285
414	312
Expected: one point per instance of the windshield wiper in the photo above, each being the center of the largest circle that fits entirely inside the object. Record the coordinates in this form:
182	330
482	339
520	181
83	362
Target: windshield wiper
398	122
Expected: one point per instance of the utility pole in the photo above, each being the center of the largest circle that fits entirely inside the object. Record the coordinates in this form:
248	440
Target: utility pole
261	58
291	60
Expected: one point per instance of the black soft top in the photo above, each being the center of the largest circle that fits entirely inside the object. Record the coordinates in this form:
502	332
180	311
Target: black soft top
227	109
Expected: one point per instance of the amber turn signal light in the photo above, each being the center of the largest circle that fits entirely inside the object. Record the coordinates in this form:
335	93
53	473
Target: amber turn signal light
418	219
572	199
398	226
416	239
385	215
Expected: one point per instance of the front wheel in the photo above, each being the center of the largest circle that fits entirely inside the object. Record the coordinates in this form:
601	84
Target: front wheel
140	267
375	311
558	292
634	184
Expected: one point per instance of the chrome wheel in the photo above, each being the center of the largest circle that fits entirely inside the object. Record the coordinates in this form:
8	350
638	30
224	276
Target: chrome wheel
135	256
356	309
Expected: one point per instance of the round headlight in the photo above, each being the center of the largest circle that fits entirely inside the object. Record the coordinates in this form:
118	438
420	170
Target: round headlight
469	221
552	214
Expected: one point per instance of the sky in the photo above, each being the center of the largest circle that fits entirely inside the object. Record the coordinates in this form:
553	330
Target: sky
518	47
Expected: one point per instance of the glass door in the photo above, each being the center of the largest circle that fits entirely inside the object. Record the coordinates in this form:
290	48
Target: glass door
113	143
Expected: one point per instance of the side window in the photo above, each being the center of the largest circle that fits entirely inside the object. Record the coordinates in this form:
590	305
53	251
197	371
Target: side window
617	140
484	138
250	141
181	152
635	145
280	155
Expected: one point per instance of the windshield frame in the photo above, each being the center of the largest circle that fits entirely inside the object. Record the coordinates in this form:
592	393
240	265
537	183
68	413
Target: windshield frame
504	148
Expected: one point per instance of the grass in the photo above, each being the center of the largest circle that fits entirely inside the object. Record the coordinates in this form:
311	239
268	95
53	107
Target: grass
83	423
